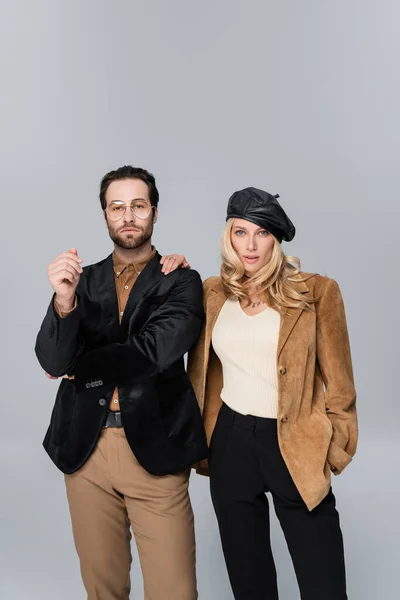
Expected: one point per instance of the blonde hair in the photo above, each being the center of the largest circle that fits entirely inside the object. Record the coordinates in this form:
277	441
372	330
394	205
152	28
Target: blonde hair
274	282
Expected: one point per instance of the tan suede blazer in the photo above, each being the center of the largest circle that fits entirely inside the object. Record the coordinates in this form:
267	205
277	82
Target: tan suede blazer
317	421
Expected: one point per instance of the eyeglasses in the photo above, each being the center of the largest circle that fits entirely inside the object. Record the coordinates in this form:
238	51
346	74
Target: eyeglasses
117	209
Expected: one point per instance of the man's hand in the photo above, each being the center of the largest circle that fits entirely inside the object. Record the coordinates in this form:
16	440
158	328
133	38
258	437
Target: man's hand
50	376
64	273
64	376
172	262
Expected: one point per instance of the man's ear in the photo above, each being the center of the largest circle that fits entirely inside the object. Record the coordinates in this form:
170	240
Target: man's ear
155	215
105	218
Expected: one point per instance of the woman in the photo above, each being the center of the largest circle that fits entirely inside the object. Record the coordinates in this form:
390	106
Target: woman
272	373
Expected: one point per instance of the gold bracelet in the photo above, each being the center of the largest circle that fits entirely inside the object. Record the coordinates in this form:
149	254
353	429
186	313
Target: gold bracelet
62	312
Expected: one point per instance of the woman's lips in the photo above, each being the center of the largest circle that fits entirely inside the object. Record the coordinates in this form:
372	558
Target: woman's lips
251	259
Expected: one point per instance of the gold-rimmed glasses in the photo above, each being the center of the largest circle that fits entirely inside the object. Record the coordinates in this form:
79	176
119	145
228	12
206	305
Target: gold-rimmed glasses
117	209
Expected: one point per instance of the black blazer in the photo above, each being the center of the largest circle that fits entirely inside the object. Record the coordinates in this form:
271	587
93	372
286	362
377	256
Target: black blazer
143	356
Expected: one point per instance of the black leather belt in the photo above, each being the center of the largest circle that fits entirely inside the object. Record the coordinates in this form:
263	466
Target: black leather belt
113	419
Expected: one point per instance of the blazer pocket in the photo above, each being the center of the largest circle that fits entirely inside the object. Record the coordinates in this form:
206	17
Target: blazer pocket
325	419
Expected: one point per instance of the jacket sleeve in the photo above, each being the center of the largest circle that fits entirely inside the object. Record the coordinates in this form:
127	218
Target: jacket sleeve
169	333
58	343
334	359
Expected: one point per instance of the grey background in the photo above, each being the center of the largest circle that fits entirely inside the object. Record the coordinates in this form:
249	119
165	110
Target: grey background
301	98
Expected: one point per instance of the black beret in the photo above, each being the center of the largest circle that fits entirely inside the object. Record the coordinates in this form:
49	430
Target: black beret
264	210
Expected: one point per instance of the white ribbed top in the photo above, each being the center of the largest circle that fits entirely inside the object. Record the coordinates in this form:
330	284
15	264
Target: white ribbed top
247	348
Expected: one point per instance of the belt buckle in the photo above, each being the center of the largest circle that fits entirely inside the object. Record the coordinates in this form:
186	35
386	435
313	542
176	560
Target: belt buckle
113	419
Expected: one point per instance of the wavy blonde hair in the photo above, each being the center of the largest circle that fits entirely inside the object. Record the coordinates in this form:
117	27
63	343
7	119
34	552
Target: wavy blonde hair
275	281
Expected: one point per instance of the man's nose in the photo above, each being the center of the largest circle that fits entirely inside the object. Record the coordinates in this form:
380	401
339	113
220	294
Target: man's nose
129	216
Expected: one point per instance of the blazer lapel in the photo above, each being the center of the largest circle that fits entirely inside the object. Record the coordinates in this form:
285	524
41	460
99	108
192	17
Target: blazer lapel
146	280
104	280
106	294
289	318
215	300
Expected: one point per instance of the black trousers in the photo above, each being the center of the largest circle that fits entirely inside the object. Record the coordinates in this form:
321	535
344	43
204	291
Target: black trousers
245	463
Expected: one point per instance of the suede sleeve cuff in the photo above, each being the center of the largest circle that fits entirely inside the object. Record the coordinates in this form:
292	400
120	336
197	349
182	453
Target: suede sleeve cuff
337	458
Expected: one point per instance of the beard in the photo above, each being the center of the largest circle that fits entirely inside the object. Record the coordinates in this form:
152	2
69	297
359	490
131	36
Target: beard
132	240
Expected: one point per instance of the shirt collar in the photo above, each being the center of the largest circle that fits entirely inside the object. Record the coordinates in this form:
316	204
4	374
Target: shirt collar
119	265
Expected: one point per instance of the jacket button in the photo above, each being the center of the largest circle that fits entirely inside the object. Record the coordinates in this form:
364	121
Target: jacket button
282	370
102	401
284	419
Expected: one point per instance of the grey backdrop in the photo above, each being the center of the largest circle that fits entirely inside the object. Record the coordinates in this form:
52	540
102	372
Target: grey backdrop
299	97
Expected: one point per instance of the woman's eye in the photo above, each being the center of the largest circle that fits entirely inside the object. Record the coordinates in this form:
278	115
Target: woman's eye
263	233
239	232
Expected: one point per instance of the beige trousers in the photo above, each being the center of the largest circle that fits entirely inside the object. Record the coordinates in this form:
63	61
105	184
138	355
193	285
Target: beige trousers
112	493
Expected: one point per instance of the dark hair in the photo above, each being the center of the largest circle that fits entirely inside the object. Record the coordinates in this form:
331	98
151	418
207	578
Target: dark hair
128	172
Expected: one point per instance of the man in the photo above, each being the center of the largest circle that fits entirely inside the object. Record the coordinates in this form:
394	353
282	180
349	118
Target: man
126	425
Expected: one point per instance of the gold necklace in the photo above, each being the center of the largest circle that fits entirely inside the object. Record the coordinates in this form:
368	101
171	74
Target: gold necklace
254	304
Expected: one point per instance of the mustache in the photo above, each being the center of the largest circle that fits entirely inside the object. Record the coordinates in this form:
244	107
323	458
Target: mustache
129	226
